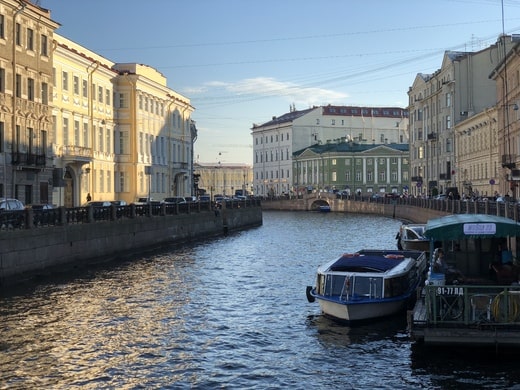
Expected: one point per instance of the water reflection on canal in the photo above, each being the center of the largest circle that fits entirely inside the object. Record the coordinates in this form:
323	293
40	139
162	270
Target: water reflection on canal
225	313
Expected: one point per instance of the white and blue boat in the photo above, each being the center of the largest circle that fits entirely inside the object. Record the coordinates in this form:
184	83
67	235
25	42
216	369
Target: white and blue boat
368	284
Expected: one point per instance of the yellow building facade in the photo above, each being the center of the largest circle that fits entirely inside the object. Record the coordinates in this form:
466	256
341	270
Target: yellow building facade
83	124
26	34
477	146
119	132
224	179
155	136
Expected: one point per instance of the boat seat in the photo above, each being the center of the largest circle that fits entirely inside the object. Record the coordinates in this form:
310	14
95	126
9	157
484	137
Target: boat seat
481	307
505	273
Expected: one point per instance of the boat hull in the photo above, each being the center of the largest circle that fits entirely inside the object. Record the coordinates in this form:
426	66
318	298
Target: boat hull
345	311
368	284
416	245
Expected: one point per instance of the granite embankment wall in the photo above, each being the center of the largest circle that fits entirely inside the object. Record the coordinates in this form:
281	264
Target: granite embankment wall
26	253
399	211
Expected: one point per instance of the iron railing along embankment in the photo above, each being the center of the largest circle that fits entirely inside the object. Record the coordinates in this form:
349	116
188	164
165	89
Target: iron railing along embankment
29	218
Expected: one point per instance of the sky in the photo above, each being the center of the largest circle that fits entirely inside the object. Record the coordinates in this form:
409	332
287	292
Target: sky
241	62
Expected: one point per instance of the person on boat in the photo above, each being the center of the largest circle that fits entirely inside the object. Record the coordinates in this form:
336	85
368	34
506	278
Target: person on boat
440	265
506	256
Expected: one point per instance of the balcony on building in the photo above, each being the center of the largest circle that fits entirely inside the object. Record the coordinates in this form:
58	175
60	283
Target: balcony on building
180	165
432	136
508	161
76	154
24	160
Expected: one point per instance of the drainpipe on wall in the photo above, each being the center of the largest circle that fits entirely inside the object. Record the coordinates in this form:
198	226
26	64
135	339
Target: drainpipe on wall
91	69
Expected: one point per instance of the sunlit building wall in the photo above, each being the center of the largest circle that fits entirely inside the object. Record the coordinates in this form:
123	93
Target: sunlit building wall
275	141
83	124
26	166
224	178
155	135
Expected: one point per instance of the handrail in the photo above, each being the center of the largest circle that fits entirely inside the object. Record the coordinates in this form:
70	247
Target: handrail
30	218
476	304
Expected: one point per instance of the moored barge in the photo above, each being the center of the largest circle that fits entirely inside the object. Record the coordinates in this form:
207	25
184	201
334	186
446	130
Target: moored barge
481	306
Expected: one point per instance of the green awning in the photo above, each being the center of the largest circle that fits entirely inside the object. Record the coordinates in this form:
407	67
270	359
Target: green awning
463	226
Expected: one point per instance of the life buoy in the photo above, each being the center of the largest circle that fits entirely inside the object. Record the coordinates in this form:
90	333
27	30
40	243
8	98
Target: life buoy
310	298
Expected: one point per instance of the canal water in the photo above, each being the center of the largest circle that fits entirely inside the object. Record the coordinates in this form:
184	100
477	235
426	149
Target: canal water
224	313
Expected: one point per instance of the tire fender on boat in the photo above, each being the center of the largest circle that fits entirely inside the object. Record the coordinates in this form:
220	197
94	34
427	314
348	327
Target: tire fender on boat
310	298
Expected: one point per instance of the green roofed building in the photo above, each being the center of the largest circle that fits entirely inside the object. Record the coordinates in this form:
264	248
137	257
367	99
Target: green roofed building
355	168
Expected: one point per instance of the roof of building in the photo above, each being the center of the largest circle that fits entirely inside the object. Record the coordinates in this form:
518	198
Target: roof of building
380	112
288	117
390	112
349	147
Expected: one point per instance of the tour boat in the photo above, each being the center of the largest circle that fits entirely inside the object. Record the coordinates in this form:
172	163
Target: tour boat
411	237
368	284
475	302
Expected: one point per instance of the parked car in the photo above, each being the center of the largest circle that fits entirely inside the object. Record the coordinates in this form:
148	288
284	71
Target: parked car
11	204
174	200
99	203
119	203
204	198
343	194
40	206
11	213
146	200
392	195
44	214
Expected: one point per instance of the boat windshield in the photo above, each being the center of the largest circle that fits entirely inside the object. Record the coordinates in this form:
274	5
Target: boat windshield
369	287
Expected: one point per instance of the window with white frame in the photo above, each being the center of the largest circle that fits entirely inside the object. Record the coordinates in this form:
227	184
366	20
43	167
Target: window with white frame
75	85
65	81
85	135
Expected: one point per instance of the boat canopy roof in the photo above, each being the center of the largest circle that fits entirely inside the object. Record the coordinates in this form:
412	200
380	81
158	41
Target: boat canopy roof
355	262
466	226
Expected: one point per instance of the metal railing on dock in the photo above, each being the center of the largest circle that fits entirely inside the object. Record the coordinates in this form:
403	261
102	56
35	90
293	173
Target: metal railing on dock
467	305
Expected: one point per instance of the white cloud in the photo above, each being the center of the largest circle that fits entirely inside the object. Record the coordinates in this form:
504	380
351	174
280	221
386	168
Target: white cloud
260	87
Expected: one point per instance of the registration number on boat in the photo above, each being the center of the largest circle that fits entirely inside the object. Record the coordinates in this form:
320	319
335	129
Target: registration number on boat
450	290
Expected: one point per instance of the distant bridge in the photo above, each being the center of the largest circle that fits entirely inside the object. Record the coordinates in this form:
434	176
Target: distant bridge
416	210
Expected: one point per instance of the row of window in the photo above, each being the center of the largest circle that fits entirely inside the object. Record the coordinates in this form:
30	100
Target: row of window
103	182
25	142
419	153
366	112
80	86
109	141
359	177
104	95
30	37
274	175
26	85
273	138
